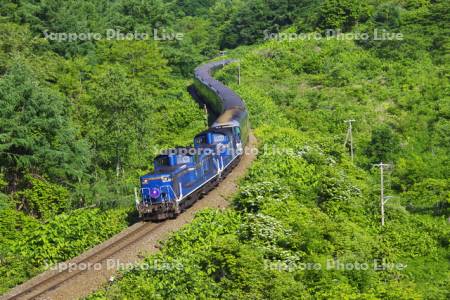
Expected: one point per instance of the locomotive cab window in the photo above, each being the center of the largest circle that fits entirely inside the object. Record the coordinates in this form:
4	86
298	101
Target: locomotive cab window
220	138
162	161
200	140
183	159
237	131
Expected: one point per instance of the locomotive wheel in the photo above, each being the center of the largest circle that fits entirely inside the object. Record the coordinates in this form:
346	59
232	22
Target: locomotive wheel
194	197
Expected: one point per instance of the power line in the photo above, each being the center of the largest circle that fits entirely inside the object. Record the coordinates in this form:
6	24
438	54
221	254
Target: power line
349	136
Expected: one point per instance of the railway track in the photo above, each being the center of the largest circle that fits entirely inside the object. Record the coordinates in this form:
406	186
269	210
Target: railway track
99	254
72	283
128	246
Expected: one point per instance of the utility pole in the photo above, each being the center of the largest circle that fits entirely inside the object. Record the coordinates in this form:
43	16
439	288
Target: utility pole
383	199
239	73
222	53
206	114
349	136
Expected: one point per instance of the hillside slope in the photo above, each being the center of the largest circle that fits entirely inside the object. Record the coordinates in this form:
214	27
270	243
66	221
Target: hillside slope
81	120
306	222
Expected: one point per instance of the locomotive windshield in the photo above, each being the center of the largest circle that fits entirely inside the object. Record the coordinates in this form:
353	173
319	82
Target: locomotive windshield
201	140
219	138
162	161
211	138
183	159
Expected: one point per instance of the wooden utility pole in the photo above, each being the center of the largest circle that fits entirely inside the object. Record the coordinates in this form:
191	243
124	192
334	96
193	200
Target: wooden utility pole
349	136
383	199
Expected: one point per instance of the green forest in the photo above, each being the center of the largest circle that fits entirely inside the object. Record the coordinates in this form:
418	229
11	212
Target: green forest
81	120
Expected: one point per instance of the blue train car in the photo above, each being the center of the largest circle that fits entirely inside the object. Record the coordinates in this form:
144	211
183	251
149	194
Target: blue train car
223	142
176	182
183	175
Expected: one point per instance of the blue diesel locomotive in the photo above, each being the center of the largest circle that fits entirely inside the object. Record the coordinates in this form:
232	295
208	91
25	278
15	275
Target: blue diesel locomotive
183	175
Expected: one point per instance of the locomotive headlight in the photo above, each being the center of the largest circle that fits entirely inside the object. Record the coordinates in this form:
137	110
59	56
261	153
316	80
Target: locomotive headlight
165	179
155	192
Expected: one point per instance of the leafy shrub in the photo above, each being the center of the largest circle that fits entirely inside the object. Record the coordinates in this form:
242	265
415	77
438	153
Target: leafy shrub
42	198
335	193
335	14
253	197
428	196
383	145
66	235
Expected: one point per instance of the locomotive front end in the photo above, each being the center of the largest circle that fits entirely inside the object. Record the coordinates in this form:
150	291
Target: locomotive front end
158	198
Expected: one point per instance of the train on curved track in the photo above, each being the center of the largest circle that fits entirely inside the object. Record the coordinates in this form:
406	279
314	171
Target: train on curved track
184	174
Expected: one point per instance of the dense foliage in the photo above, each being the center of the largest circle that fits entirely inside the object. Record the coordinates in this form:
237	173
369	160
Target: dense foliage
29	246
304	207
81	120
79	123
